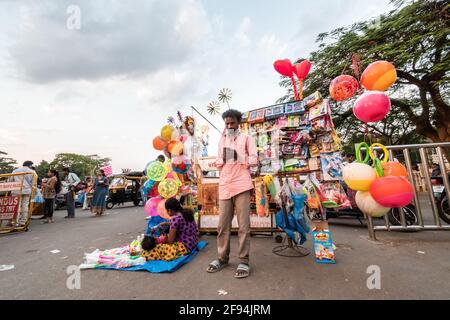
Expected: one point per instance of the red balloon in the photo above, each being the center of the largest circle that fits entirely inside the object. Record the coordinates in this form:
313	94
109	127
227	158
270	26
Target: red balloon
392	192
284	67
343	87
372	106
301	70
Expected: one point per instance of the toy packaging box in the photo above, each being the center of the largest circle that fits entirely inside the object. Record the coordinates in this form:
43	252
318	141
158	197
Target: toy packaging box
323	243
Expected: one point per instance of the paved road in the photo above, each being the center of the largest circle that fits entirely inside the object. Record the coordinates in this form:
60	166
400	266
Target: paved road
40	274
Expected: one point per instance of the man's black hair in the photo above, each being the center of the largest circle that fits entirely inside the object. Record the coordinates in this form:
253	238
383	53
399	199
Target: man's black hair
232	114
65	169
351	155
28	163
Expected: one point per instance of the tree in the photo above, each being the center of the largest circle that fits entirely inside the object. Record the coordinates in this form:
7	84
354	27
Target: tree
7	165
415	37
82	165
42	169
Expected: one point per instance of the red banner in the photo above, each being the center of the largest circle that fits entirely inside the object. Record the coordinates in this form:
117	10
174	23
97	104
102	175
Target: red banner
9	207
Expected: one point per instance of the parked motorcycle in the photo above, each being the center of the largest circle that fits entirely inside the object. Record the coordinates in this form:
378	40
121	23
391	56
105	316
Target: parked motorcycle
441	198
394	215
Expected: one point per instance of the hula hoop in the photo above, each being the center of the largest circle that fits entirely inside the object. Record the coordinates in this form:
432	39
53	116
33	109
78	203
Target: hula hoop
378	167
386	153
358	152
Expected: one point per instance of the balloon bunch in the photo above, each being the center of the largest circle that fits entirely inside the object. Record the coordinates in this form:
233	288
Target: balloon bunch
301	70
167	178
381	187
374	104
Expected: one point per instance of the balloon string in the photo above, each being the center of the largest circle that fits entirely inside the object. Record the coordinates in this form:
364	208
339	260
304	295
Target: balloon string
301	89
295	88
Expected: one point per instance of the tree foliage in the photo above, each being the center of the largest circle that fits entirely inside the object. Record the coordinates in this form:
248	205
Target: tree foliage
7	165
415	38
82	165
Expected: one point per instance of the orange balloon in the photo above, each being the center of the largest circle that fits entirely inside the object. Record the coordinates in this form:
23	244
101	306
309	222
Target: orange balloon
394	169
159	144
175	147
379	76
162	210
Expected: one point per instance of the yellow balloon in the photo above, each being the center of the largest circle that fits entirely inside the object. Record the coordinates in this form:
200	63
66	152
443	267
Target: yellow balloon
359	176
166	132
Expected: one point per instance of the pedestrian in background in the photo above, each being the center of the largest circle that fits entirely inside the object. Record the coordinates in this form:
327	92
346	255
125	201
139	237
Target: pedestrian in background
27	188
51	186
101	188
71	180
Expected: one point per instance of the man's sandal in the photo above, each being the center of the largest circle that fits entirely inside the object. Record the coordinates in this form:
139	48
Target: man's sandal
216	266
242	271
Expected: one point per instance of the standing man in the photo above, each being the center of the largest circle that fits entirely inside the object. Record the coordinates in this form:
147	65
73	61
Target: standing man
71	180
237	154
27	187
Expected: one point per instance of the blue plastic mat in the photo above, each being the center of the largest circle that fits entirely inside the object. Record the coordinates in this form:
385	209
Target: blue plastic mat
164	266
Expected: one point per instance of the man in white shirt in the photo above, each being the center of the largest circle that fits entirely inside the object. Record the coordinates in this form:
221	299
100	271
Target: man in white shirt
70	181
27	187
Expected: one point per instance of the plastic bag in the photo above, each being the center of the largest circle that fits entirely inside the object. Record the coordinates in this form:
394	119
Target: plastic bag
38	197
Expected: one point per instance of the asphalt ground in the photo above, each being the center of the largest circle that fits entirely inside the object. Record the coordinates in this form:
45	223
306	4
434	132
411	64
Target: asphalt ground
412	265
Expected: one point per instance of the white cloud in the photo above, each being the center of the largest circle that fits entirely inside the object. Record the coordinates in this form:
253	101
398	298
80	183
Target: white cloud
121	40
242	35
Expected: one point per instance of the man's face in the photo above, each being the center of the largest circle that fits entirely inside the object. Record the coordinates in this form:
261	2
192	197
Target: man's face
231	123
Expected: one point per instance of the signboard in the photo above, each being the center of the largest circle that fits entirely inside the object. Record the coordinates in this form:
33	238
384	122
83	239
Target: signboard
108	170
208	164
9	207
10	186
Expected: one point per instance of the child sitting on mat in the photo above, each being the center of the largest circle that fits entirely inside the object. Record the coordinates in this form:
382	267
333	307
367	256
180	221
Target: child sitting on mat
182	239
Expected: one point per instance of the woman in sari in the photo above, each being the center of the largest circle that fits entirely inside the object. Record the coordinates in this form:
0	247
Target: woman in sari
101	188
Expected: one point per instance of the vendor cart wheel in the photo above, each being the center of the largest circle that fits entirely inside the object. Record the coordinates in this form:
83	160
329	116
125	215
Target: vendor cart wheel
109	205
136	202
278	238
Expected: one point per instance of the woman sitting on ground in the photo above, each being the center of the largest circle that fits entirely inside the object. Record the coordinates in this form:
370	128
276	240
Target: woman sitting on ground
183	235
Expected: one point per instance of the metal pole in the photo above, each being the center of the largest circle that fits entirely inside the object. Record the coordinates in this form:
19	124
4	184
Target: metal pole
371	228
424	158
206	119
443	171
413	181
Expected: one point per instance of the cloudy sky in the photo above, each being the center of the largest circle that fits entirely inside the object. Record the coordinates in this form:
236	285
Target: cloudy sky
108	87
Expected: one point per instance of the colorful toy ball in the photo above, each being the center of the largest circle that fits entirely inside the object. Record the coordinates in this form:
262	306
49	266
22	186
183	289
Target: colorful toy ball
151	207
159	144
156	171
372	106
181	164
168	188
379	76
392	192
395	169
175	147
166	132
343	87
359	176
367	204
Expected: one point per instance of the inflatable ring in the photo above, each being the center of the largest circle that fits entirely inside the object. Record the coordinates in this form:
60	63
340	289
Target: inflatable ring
378	167
386	153
358	153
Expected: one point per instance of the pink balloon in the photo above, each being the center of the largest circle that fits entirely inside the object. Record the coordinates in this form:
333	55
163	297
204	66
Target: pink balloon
151	207
372	106
284	67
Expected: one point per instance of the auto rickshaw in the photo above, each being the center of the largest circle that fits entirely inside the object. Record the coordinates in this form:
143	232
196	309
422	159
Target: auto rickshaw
124	188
